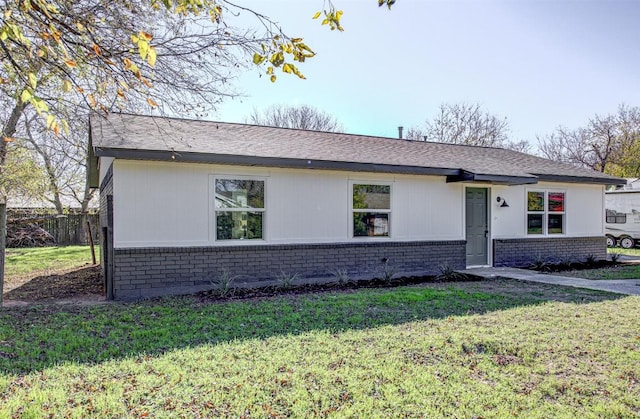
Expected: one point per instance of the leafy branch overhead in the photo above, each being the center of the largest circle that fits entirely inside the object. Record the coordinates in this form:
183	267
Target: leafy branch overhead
103	52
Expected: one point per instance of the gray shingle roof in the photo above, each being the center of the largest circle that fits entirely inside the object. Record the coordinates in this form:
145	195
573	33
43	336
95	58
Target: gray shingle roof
161	138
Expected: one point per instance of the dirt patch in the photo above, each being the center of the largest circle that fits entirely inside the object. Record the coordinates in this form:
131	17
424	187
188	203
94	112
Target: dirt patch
62	286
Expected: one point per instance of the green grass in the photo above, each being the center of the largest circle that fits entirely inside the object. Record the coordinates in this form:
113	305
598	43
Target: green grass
31	261
401	352
619	272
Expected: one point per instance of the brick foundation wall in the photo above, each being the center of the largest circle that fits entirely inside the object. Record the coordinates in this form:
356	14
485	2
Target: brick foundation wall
522	252
150	272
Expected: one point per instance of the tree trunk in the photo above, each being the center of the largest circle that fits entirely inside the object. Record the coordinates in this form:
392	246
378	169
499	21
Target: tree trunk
8	131
3	245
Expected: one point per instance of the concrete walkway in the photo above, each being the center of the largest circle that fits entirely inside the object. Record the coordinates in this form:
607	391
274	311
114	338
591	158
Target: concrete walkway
618	286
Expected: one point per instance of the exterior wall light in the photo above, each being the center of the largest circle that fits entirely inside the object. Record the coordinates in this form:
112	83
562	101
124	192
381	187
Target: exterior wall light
504	202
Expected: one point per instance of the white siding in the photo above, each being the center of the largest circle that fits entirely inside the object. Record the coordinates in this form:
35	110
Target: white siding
169	204
158	204
584	213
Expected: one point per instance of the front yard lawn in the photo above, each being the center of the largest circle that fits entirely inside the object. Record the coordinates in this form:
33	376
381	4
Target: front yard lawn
36	260
495	348
613	272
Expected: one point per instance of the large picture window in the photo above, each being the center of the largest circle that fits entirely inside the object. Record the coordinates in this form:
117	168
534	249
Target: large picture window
239	209
371	210
545	212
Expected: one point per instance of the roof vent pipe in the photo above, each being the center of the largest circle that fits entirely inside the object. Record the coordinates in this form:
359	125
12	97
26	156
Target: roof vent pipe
400	132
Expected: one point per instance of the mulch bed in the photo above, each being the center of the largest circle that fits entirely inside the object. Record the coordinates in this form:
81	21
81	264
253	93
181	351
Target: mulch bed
59	286
271	291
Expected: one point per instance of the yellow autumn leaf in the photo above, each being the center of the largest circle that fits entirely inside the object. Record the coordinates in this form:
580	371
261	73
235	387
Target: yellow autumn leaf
287	68
39	105
50	120
66	86
273	78
33	80
143	48
151	56
152	103
65	126
8	139
258	59
25	96
325	22
316	15
70	63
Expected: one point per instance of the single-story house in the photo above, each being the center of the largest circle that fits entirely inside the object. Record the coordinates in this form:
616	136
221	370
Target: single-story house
182	201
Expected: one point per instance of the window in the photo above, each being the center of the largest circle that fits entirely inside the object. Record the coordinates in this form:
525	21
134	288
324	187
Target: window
371	210
239	209
615	217
545	212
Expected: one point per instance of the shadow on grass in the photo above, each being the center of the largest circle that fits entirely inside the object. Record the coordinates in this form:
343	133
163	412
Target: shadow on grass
58	286
38	337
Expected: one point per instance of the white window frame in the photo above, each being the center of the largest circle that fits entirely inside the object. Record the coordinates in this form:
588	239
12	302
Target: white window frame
545	213
352	210
214	210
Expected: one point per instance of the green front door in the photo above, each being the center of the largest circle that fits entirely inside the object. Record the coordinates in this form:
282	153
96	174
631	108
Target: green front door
477	226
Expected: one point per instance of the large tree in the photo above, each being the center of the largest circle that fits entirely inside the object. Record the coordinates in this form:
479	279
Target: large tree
174	55
468	124
300	117
609	144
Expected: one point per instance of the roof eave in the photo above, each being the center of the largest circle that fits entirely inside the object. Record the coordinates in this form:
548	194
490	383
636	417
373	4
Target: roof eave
466	176
582	179
294	163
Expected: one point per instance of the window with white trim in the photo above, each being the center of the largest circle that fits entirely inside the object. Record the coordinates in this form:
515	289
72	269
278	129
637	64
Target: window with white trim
239	209
545	212
371	205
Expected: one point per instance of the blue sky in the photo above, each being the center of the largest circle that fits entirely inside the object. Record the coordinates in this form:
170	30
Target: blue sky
539	63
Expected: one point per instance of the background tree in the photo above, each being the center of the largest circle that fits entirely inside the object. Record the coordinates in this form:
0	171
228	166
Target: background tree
467	124
300	117
24	178
609	144
63	158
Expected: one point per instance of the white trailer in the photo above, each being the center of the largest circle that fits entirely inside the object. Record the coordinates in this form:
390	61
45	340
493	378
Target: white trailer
622	223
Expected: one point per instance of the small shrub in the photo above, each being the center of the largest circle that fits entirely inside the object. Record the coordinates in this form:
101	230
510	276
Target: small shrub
540	263
591	260
286	280
565	261
341	276
224	283
388	271
449	273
